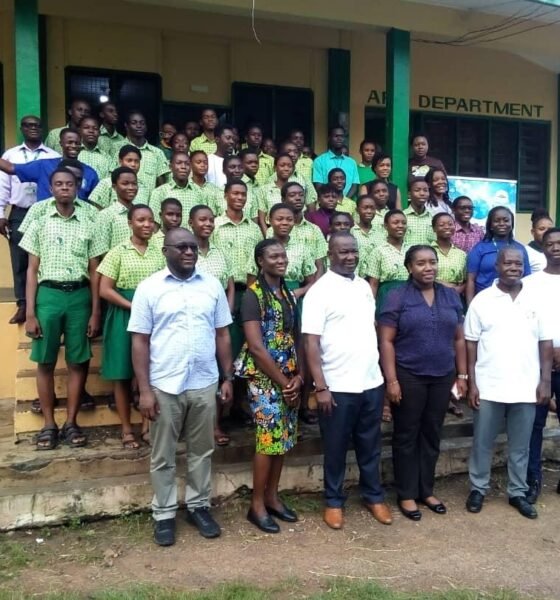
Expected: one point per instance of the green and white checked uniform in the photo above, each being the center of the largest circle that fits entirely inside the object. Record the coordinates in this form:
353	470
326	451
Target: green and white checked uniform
98	160
418	228
367	241
310	195
386	263
64	245
300	262
110	143
112	226
39	209
53	139
304	166
189	195
104	195
203	143
215	262
237	241
128	267
347	205
152	165
452	267
266	169
218	202
310	236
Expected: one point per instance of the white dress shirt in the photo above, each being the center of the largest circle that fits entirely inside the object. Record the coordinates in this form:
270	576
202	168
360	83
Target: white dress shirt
216	173
12	191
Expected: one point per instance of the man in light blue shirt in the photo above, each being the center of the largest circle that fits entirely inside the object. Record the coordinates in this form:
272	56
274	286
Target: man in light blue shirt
335	158
179	324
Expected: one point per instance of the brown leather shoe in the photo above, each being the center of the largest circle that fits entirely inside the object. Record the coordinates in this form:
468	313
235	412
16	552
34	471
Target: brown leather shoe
333	517
381	512
19	316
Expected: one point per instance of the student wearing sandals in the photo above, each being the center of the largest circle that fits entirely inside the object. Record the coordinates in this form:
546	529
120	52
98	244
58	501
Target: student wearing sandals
62	299
122	269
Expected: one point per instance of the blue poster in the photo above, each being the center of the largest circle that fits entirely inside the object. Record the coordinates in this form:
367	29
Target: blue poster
485	194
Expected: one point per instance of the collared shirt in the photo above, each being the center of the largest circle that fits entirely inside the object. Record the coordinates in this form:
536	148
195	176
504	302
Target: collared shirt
481	261
300	262
367	241
304	166
309	235
109	142
418	227
40	209
545	289
342	311
104	194
188	195
324	163
39	172
112	226
98	160
218	202
203	143
12	191
467	237
508	333
128	267
53	138
152	165
425	339
347	205
452	266
217	263
386	263
64	245
216	173
537	259
271	194
237	241
266	168
181	318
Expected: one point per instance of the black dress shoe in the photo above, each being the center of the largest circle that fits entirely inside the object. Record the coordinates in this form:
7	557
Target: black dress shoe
413	515
266	524
19	315
475	502
533	492
204	522
286	514
438	508
524	508
164	532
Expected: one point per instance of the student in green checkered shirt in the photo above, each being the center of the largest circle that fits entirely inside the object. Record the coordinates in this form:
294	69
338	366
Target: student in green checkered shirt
206	140
109	138
418	219
62	300
104	194
91	153
170	216
367	236
452	262
310	192
121	271
112	222
253	142
79	108
199	170
337	178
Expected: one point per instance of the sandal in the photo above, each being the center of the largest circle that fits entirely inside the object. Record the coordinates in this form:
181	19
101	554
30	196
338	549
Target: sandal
72	435
87	403
387	415
129	441
36	406
221	438
47	438
454	409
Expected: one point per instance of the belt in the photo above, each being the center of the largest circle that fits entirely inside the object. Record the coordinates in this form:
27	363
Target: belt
66	286
240	287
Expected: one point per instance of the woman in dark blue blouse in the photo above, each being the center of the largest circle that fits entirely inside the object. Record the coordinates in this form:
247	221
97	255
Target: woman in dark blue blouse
423	354
481	260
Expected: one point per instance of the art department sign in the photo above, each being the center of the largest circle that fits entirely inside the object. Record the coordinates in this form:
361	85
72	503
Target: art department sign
467	106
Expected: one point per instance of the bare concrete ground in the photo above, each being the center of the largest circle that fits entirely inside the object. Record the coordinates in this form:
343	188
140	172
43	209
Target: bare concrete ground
495	549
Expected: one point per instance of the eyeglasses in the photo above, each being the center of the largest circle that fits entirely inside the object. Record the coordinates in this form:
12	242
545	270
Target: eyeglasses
31	125
182	248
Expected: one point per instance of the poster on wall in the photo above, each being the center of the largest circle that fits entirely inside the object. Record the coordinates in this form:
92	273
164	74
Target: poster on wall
485	194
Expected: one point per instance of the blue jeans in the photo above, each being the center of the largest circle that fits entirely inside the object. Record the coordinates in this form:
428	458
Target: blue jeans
534	470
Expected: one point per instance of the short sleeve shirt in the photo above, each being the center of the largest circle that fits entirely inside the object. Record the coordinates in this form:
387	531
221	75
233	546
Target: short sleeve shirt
153	164
203	143
386	263
418	227
452	267
215	262
309	235
103	195
128	267
98	160
188	195
324	163
367	241
109	142
112	226
300	262
40	209
466	238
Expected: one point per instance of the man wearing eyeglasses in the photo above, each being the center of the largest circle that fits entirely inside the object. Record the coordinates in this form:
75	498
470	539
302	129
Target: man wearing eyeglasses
20	197
179	324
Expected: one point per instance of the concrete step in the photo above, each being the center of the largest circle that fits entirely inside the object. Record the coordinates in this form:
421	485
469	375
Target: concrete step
24	364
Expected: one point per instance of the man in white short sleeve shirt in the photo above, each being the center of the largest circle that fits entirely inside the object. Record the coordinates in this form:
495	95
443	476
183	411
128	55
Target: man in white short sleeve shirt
338	324
509	348
179	324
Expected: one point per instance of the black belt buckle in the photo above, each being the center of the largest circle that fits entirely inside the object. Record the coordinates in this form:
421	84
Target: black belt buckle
69	286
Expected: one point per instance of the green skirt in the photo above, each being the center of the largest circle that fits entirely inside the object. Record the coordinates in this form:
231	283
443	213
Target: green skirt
116	359
382	292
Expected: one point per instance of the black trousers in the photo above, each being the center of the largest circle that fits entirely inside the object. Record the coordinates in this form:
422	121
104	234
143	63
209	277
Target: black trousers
19	258
417	424
356	418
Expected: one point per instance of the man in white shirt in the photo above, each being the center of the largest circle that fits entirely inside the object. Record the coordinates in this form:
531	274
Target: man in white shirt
509	350
20	197
545	285
225	143
179	324
338	324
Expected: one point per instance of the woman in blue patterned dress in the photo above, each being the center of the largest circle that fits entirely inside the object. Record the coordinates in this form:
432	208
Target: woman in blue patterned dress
268	361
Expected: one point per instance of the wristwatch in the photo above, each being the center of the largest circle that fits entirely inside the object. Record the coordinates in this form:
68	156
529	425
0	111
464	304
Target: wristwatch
462	376
228	377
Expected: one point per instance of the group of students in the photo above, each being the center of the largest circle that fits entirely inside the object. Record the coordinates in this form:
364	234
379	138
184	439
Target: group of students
87	225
